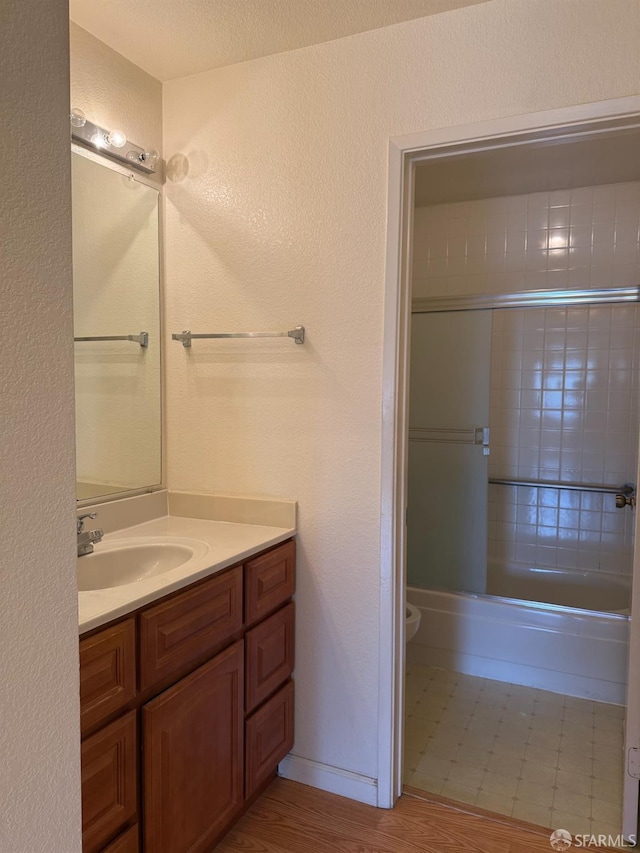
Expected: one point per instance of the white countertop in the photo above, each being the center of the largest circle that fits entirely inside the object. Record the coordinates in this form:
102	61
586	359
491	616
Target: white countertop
226	543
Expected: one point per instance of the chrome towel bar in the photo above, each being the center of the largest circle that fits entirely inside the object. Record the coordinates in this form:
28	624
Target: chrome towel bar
297	333
142	338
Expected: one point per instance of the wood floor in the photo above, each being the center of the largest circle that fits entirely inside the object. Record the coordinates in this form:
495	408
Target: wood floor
293	818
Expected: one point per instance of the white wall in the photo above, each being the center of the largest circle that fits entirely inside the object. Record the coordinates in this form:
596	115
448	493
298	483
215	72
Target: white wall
39	710
281	220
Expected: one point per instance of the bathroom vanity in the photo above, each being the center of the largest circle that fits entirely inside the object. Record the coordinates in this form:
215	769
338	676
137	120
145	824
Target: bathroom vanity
187	706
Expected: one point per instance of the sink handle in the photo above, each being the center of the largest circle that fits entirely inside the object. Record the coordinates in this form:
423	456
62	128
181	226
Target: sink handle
80	521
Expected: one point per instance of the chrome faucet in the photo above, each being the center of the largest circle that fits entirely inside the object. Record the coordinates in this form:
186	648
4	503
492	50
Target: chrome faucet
86	538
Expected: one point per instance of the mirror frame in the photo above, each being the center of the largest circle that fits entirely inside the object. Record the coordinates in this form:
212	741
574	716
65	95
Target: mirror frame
154	182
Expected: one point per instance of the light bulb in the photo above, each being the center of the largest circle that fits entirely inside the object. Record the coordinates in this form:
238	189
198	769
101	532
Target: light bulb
133	156
151	156
117	139
78	118
99	139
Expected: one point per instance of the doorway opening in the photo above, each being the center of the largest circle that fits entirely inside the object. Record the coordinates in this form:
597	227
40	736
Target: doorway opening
517	435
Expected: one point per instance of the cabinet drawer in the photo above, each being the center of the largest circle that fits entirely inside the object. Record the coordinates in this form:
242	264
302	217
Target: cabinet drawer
189	627
269	582
107	673
268	738
270	656
109	783
125	843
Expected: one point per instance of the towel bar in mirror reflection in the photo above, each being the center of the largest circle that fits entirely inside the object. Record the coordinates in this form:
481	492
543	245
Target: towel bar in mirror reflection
142	338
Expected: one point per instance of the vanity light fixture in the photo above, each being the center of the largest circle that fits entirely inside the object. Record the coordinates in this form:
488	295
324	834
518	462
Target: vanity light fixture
113	143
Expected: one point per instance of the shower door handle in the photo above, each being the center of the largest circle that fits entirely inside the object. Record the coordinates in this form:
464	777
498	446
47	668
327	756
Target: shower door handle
482	437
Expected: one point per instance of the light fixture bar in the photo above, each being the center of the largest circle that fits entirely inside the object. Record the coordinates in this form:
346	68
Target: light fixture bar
97	139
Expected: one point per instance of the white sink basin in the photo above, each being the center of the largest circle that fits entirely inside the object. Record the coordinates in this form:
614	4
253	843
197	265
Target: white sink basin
128	561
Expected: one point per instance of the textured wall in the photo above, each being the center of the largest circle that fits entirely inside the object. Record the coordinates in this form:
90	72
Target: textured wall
281	219
113	92
40	731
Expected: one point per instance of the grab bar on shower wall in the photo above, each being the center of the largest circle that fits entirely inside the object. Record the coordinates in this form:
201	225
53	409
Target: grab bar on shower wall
625	495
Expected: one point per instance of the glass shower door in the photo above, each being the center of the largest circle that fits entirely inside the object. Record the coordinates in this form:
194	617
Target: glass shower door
448	451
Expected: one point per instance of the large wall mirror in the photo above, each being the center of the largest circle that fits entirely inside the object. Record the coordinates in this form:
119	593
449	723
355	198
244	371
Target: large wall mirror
117	330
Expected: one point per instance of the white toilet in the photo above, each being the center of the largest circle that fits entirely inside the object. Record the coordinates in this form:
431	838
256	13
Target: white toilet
412	621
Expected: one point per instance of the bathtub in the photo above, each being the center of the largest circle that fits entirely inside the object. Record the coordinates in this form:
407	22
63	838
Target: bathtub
565	587
570	650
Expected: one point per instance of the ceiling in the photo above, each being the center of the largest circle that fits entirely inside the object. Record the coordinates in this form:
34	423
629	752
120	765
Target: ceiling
537	167
174	38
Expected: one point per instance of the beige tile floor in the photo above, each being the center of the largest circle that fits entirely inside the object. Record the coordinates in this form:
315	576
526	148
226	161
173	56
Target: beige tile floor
542	757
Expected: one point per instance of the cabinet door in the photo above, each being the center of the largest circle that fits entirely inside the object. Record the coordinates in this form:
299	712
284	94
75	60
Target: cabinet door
109	782
193	757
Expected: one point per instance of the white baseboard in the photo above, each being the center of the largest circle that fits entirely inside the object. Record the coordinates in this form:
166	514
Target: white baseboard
331	779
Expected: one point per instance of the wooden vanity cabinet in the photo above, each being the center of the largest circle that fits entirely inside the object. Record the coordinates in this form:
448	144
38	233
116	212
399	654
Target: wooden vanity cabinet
187	709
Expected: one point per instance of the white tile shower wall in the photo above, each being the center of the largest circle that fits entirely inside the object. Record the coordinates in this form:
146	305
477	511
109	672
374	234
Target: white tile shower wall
564	407
582	238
